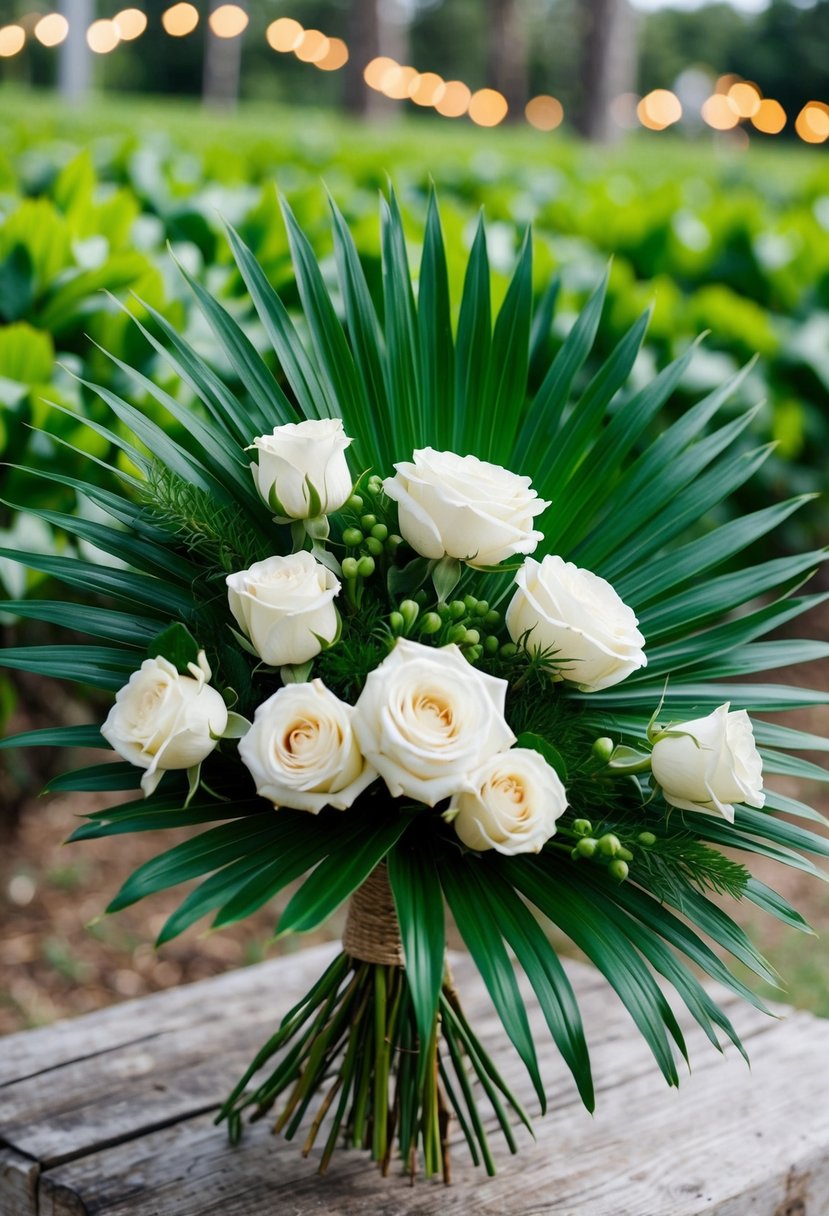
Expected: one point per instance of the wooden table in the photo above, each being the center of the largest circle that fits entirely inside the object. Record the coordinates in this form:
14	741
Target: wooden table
111	1114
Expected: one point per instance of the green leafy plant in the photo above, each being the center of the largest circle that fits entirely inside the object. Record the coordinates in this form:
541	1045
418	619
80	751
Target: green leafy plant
626	875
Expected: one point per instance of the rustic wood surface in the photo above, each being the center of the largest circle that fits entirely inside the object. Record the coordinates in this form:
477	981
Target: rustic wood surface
111	1115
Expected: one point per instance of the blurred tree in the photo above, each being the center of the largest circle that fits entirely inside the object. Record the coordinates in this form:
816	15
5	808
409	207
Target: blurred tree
75	67
222	66
507	52
608	64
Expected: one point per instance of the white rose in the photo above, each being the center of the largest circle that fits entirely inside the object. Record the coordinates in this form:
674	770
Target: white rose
302	470
164	720
285	605
579	616
427	720
301	750
464	507
710	763
518	799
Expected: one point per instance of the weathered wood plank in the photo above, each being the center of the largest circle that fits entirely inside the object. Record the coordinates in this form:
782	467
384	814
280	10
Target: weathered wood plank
91	1103
729	1143
120	1117
18	1184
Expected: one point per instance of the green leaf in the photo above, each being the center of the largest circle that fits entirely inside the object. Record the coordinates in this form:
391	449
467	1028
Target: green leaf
551	754
419	903
153	594
545	412
540	963
98	666
177	644
472	350
340	874
400	327
481	931
437	351
509	360
773	903
126	628
96	778
57	736
602	939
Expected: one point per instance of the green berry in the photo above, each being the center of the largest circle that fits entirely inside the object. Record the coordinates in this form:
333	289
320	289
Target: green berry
625	854
420	597
430	623
471	638
457	609
470	603
603	749
481	608
349	568
582	827
619	869
474	653
609	844
355	503
491	645
380	532
646	838
587	846
457	634
410	612
367	522
396	622
509	650
373	546
492	619
365	567
352	537
394	542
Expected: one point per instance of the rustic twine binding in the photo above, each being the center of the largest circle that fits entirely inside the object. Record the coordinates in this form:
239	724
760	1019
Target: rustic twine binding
372	933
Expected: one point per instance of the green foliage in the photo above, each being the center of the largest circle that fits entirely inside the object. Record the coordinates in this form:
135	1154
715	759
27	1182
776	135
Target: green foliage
580	432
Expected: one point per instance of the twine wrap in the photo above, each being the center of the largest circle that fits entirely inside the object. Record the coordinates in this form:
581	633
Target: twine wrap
372	933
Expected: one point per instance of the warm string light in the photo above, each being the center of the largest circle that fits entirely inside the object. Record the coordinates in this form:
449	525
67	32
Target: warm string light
732	102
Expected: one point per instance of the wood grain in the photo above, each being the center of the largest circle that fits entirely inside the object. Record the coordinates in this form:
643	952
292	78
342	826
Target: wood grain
118	1120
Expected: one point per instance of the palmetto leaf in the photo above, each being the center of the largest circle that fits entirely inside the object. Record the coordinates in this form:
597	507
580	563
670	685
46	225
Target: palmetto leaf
419	903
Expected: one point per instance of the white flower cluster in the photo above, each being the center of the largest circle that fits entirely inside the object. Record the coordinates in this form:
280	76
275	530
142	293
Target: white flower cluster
428	723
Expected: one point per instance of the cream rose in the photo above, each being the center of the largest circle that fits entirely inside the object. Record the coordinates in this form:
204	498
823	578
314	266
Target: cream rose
427	721
285	606
302	470
164	720
464	507
516	804
710	763
302	752
579	616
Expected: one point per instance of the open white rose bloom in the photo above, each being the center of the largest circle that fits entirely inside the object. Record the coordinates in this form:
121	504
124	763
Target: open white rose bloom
465	636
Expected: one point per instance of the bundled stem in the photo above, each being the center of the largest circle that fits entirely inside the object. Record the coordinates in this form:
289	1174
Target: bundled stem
351	1045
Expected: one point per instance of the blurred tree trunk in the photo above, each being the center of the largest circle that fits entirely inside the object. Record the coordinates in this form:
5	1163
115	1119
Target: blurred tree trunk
372	31
507	53
75	63
608	64
222	66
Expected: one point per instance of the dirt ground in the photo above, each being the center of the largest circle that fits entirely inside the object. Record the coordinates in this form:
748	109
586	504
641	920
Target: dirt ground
60	956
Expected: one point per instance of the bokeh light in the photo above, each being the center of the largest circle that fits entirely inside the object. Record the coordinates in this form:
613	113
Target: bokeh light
284	34
745	98
130	23
454	101
374	72
180	19
102	36
812	123
228	21
488	107
427	89
659	109
544	112
718	112
336	57
397	81
12	40
52	29
770	117
313	46
725	82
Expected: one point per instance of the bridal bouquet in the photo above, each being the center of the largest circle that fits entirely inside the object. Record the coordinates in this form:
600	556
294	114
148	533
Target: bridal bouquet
419	620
